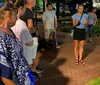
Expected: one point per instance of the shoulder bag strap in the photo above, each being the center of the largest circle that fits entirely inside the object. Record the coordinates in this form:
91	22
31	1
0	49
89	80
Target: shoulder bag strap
81	17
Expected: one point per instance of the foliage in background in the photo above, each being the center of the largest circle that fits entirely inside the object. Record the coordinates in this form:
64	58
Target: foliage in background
39	3
96	30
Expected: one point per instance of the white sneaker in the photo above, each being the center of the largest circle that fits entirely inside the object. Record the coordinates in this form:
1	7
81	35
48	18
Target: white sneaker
91	39
58	46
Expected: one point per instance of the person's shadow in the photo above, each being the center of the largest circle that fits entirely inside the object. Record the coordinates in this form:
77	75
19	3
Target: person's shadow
52	75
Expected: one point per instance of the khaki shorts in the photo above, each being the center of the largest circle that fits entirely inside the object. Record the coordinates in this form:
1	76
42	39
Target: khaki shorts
50	34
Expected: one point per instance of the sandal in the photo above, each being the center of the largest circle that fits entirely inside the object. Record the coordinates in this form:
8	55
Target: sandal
77	62
82	62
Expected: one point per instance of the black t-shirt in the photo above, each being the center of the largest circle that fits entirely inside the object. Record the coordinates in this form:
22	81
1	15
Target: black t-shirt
28	15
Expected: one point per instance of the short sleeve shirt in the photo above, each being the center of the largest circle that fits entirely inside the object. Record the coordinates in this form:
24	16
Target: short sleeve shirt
48	17
27	15
77	17
91	18
21	31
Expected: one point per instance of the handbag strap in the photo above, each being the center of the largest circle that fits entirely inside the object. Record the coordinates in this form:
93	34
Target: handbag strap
81	17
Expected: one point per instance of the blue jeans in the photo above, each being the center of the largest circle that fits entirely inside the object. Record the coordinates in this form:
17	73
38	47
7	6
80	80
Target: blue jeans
90	30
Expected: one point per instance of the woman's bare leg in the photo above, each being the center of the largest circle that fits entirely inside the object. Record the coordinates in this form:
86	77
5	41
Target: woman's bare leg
81	49
76	48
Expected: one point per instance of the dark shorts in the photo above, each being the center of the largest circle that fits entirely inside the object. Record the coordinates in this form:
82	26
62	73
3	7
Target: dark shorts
79	34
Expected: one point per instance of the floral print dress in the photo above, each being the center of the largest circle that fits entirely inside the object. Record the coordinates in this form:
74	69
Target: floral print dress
13	65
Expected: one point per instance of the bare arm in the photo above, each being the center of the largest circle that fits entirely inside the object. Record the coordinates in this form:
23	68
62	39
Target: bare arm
7	81
86	22
44	21
29	43
30	25
44	24
55	18
75	22
95	19
55	21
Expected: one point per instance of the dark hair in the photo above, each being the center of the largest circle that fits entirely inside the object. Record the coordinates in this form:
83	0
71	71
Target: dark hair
21	3
48	4
93	8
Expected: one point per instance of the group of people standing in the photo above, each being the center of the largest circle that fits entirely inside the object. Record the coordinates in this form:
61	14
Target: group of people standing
19	42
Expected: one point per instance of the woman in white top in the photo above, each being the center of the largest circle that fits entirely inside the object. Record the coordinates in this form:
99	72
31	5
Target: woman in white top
22	33
92	19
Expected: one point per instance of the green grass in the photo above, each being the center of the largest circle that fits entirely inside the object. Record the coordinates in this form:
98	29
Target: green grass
96	29
94	82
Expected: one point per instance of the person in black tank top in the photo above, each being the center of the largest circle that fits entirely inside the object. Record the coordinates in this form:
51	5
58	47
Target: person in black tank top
28	17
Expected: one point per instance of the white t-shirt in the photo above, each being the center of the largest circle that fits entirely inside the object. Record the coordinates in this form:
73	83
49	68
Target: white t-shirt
91	18
48	17
22	33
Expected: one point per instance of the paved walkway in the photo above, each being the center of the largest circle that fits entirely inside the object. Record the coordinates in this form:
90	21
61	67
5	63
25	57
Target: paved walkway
59	64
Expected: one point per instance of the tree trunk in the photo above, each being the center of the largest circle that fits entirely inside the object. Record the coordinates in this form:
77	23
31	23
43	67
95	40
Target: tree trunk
58	9
43	5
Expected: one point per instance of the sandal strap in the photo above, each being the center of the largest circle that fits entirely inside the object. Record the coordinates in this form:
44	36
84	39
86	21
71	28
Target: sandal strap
77	62
82	61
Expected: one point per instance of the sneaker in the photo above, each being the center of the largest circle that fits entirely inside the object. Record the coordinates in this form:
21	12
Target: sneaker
90	39
38	70
42	50
58	46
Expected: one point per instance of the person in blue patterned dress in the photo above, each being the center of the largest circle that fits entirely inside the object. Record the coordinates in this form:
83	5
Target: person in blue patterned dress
14	69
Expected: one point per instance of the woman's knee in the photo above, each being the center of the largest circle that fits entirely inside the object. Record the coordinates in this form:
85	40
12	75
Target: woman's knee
76	44
81	45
